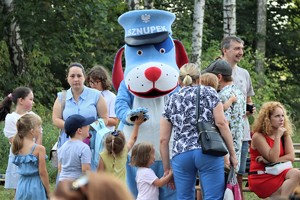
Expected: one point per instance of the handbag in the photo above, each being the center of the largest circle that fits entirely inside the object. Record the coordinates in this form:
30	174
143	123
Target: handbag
232	191
277	168
210	139
53	153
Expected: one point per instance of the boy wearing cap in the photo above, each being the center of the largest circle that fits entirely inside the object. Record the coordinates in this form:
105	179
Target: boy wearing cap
74	156
236	112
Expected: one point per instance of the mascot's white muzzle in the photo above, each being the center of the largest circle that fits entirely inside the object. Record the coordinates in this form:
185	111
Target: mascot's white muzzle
152	78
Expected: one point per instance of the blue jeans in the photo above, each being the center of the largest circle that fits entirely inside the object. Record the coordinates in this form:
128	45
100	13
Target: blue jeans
164	192
244	155
211	171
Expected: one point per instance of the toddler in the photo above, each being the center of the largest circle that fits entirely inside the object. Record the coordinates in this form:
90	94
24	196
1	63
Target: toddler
210	79
148	183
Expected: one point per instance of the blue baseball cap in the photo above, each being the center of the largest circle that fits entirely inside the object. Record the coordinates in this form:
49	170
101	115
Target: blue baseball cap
75	122
146	26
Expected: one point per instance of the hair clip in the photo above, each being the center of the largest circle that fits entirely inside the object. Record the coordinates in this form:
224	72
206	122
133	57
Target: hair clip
9	96
115	133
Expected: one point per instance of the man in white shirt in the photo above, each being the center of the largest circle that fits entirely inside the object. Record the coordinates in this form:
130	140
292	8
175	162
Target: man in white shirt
232	51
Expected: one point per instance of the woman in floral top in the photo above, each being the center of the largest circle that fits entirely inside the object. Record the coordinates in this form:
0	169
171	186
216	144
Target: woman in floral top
179	118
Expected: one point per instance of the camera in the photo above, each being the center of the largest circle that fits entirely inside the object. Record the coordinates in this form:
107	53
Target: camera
250	107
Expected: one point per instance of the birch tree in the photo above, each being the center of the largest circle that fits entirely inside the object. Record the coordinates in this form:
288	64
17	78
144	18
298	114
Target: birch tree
197	31
261	38
229	17
15	44
148	4
133	4
138	4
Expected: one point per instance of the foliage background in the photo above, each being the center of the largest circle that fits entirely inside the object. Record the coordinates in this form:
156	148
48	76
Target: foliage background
55	33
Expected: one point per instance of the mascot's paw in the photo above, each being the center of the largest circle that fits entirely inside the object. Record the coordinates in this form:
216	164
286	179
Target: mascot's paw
133	115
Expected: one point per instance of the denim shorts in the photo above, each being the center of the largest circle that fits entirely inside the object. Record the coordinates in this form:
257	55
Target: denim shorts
244	155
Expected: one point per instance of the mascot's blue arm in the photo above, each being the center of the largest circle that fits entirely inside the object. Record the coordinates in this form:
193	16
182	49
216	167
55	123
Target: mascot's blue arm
123	102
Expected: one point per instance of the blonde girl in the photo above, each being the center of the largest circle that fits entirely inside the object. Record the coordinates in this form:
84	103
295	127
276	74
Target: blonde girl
113	159
143	156
22	100
31	159
209	79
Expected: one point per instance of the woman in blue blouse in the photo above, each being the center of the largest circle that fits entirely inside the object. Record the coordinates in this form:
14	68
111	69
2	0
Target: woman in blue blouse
80	99
179	118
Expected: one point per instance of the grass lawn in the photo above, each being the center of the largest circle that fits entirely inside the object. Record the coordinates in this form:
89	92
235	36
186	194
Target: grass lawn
6	194
9	194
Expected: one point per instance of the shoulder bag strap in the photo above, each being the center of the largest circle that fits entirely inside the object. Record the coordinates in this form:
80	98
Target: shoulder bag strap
63	104
197	106
63	101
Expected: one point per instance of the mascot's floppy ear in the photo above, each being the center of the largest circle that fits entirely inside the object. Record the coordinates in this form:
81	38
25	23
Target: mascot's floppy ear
181	56
117	72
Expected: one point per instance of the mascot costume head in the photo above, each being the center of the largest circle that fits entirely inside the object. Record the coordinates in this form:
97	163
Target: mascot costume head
152	62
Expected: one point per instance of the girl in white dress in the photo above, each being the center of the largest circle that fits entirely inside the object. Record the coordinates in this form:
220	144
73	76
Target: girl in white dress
22	98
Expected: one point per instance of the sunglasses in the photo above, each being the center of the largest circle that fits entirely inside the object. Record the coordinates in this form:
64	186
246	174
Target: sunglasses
93	82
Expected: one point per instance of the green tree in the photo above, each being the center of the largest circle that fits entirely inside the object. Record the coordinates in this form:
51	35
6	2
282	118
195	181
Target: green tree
55	33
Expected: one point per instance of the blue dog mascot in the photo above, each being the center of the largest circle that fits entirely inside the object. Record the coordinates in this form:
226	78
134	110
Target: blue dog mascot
151	73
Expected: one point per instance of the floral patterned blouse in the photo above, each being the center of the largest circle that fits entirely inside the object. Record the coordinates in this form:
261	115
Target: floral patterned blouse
180	110
235	115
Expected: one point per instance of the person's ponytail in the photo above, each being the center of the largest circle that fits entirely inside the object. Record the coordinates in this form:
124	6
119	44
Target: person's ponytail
17	143
5	107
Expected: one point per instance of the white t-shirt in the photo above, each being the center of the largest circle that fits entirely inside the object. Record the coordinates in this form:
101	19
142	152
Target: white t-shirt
10	127
110	99
241	78
144	179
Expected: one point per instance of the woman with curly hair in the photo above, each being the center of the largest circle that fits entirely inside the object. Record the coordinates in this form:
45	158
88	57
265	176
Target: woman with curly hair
272	143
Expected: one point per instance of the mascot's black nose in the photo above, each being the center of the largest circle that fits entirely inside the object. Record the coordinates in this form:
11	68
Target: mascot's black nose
153	73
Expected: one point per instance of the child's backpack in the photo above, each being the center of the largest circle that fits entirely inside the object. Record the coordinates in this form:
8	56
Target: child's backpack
99	132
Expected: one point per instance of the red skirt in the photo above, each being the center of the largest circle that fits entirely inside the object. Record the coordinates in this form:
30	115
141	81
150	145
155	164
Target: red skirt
264	185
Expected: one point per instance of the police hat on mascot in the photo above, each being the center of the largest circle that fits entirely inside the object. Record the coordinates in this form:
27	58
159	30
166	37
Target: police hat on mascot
151	27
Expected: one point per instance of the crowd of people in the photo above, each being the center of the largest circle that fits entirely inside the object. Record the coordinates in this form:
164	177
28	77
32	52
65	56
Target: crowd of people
226	101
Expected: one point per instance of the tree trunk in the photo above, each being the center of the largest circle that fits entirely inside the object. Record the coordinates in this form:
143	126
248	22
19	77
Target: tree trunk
148	4
197	31
133	4
261	38
13	39
229	17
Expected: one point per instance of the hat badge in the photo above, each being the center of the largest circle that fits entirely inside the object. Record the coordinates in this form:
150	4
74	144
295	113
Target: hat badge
145	18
